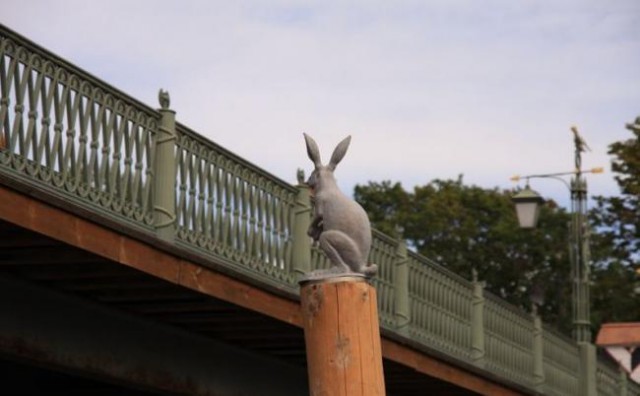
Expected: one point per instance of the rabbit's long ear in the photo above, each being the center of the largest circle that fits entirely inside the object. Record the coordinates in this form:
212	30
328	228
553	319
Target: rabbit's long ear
312	150
339	152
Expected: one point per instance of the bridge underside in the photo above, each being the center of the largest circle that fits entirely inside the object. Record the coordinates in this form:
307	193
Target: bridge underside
84	318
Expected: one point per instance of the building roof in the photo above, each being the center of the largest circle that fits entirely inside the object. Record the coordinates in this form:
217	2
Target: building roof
619	334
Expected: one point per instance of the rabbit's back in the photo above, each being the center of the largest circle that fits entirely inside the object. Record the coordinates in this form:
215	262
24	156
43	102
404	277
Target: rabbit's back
341	213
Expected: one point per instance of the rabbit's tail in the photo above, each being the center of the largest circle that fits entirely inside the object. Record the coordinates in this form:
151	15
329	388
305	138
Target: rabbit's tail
369	270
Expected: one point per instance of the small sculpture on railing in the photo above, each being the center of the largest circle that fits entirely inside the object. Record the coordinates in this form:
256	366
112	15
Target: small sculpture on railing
163	98
340	225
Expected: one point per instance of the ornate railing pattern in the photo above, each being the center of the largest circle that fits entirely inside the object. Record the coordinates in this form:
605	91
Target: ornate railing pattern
64	130
72	136
227	207
613	382
383	253
508	340
633	389
440	307
562	362
608	380
318	259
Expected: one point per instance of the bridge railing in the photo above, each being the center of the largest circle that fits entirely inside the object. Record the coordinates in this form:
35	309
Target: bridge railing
384	251
64	131
228	207
561	364
65	134
509	341
608	379
613	381
440	307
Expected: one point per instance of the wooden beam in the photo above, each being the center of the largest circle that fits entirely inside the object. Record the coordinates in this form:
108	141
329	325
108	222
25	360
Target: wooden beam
61	331
436	368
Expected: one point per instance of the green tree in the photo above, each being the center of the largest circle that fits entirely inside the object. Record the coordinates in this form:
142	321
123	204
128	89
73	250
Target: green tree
616	245
467	227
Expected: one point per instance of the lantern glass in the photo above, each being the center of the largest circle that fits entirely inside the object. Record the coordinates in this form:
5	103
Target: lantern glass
528	213
528	203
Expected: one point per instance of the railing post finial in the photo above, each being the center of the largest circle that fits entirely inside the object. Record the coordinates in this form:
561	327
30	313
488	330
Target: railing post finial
164	99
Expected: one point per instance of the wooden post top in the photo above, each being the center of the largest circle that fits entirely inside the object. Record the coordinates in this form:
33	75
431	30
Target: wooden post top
332	279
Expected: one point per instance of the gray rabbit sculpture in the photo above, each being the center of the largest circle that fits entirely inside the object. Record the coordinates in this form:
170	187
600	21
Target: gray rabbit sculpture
340	225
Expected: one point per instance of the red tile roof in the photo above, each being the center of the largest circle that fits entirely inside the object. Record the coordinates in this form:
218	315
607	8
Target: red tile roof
619	334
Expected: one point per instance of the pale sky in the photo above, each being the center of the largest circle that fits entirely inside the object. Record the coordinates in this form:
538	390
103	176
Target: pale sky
427	89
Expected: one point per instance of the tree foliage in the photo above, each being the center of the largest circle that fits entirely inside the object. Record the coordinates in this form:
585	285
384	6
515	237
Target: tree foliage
467	227
616	244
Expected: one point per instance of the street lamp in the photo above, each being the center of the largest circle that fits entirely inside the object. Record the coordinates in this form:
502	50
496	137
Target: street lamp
528	204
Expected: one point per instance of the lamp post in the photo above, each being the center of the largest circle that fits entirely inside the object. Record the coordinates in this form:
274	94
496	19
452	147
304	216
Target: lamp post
527	204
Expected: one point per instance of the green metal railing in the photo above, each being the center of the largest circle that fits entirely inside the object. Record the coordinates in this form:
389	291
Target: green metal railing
67	134
440	307
228	207
383	252
561	363
65	131
509	343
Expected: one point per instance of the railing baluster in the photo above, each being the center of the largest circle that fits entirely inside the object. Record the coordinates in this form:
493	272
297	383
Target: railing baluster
234	209
69	156
201	166
209	229
189	216
218	175
5	89
246	199
7	81
252	203
20	80
33	90
44	144
59	103
84	114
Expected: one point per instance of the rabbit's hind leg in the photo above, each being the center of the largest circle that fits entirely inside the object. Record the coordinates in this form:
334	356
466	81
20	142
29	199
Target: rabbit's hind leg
341	251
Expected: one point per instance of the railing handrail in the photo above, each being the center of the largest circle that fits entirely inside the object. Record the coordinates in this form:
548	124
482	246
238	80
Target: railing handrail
440	268
513	309
183	129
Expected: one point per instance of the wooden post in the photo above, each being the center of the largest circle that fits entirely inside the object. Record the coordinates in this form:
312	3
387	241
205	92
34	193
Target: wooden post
342	337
